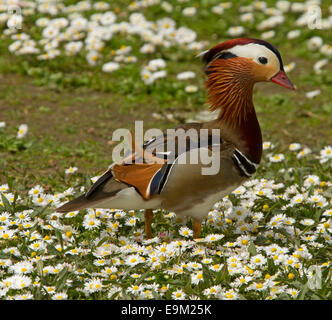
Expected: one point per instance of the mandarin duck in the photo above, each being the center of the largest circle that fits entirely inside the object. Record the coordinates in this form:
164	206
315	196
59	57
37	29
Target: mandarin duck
163	180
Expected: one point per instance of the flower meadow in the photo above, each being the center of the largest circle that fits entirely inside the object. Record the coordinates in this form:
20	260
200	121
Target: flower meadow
271	238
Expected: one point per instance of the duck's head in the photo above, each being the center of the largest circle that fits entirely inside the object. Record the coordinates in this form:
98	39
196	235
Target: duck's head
232	68
251	60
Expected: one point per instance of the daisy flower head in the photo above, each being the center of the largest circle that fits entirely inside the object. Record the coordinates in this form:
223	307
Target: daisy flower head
23	267
193	266
240	190
26	296
36	190
312	94
22	131
118	214
156	64
133	260
292	292
7	234
197	277
94	179
191	89
218	9
236	31
276	221
289	67
243	240
94	285
71	170
216	267
305	151
326	49
289	221
60	296
186	75
41	200
73	47
110	67
17	282
327	213
257	286
213	237
147	48
4	188
229	295
247	17
319	65
258	260
178	295
93	57
90	222
166	6
267	145
268	34
311	180
5	218
206	260
293	34
159	74
131	222
318	200
294	146
212	291
71	214
15	22
325	154
277	158
186	232
147	76
189	11
135	289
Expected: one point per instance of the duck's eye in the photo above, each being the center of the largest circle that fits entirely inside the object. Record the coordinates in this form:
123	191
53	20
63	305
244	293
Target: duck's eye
262	60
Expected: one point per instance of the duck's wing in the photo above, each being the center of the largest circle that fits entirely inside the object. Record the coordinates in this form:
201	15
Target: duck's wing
149	178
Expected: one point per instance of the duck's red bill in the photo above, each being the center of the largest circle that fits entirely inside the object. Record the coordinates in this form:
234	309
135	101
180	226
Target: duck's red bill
282	79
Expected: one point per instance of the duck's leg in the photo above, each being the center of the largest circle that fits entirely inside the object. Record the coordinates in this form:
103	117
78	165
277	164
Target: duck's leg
148	221
196	227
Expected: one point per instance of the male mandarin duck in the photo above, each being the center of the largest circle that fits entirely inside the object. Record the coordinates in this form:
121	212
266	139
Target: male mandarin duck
232	68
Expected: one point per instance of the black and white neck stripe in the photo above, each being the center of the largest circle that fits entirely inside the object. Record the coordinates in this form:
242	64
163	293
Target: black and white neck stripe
246	167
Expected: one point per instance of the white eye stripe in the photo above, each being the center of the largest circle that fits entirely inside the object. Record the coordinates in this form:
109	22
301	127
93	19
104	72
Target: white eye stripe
254	51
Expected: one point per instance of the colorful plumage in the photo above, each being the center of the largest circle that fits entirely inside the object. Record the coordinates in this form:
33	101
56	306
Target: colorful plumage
163	179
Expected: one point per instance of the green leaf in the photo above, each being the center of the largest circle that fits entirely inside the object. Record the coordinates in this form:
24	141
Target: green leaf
156	295
223	275
6	203
283	296
207	278
101	241
59	237
53	250
252	249
40	268
303	292
61	279
4	255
